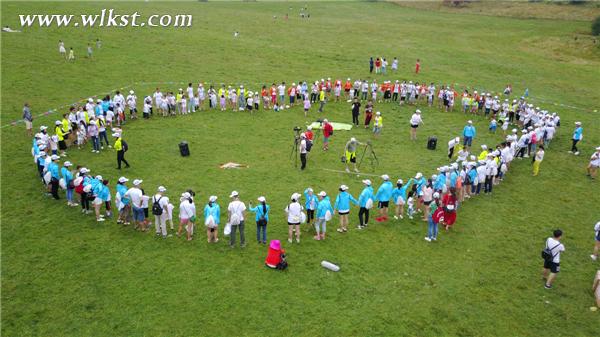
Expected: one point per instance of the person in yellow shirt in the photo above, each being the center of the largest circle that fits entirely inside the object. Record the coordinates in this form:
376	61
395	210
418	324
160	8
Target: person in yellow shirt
121	147
60	133
322	99
484	153
378	124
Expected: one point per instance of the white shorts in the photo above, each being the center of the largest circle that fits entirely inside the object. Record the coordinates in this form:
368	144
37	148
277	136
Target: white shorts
400	201
98	201
28	125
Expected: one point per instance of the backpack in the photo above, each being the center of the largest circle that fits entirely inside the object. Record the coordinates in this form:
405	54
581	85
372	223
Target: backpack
125	146
547	253
309	145
156	207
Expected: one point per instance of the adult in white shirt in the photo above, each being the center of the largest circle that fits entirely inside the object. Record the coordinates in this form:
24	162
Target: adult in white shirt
136	196
187	214
552	266
594	255
235	217
190	95
451	145
119	98
158	98
303	151
294	217
160	204
592	169
415	121
132	104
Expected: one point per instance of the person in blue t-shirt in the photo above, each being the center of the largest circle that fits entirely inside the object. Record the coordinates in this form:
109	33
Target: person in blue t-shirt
383	196
469	133
365	202
342	205
577	136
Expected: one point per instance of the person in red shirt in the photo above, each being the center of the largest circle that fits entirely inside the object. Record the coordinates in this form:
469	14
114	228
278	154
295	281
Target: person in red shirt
264	95
276	256
449	204
377	65
417	66
309	134
327	132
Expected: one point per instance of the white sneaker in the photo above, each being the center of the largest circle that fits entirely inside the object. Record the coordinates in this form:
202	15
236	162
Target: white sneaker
348	170
101	147
290	240
356	170
395	217
594	257
100	219
576	153
569	151
297	240
427	239
401	217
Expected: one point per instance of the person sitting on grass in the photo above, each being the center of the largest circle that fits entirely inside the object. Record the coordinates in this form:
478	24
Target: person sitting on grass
276	256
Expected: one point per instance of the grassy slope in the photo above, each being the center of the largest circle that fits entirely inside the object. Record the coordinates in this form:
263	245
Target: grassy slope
63	274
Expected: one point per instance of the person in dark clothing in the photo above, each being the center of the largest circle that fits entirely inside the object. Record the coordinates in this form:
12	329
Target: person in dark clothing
355	111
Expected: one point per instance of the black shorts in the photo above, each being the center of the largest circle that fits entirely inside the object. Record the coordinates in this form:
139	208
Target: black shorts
387	94
402	98
293	224
62	145
383	204
414	126
554	267
446	102
344	213
427	203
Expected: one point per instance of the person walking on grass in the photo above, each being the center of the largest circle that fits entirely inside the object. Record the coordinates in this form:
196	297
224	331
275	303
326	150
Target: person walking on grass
293	212
212	218
592	168
121	147
52	167
577	137
236	217
355	111
365	202
594	255
435	216
28	119
322	99
327	132
160	210
350	153
378	124
187	215
342	205
415	121
67	176
123	203
449	203
324	214
262	219
310	204
383	196
537	160
136	195
469	133
552	265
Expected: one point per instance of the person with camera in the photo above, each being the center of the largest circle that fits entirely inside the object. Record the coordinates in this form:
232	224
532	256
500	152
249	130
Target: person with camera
303	150
551	255
262	218
350	153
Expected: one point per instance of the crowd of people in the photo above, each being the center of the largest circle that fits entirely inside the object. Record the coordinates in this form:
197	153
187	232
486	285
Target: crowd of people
435	199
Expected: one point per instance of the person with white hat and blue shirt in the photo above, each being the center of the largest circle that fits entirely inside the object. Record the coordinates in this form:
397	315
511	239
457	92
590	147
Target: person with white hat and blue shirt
383	196
236	216
577	137
342	205
293	212
123	203
324	214
399	196
160	210
469	133
212	218
440	181
52	167
67	176
365	202
262	219
310	205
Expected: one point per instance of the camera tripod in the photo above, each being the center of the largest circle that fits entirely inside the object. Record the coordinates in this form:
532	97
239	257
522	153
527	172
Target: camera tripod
372	157
295	145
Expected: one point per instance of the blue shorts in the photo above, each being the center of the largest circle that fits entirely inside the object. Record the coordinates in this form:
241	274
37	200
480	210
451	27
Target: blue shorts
468	141
138	214
325	139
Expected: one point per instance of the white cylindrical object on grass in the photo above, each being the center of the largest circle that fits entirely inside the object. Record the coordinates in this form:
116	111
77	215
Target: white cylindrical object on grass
330	266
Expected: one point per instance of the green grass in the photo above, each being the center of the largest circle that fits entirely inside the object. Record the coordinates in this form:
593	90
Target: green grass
63	274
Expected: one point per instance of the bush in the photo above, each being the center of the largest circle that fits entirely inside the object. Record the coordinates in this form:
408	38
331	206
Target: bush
596	26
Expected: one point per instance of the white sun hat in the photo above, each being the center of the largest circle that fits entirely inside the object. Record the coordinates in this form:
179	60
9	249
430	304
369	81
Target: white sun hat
67	164
344	188
137	182
162	189
123	180
322	194
385	177
212	198
367	182
419	175
261	199
234	194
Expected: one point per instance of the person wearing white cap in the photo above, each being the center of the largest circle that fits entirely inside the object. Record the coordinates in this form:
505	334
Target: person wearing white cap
469	133
399	197
136	196
187	215
303	149
537	160
350	153
52	168
342	205
484	152
122	202
577	137
383	196
592	168
365	202
131	101
121	147
294	215
437	215
212	218
236	217
102	195
262	217
327	132
310	205
92	132
160	211
415	121
452	144
67	176
324	214
378	124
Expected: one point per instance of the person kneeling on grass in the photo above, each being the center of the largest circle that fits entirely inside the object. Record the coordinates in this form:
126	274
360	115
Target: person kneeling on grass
212	215
276	256
324	214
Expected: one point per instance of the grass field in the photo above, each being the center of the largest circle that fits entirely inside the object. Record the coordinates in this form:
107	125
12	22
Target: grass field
65	275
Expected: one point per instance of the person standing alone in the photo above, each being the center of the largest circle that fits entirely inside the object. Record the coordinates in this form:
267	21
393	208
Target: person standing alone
121	147
552	263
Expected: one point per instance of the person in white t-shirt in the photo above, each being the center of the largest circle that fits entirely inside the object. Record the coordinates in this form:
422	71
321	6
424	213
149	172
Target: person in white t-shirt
132	104
235	217
160	220
451	146
594	255
135	194
552	267
294	217
187	215
415	121
592	168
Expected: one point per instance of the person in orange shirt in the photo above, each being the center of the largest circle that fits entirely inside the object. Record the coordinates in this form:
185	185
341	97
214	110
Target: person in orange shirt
417	66
264	94
276	256
347	87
